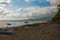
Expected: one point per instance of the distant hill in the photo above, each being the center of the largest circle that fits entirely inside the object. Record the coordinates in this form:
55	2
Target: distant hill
57	16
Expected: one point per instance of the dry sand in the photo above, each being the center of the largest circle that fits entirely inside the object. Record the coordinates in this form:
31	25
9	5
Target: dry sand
50	31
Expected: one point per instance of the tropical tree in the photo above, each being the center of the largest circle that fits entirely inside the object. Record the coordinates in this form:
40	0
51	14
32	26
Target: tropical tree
57	16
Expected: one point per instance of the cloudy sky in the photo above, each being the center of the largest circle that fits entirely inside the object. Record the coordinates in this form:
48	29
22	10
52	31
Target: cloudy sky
27	9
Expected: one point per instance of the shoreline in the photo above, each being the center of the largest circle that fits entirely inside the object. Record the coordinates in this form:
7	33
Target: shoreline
40	31
45	31
33	24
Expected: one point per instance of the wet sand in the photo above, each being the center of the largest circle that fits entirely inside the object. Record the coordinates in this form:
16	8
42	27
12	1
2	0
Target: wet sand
44	31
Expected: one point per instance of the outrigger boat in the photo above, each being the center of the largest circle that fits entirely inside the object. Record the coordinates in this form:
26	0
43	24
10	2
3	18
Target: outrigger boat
6	31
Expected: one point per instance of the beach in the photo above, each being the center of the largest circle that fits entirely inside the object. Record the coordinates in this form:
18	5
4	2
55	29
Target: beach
29	19
40	31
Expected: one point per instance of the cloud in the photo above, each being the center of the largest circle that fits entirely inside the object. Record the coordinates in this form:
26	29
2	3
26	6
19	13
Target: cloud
43	12
37	12
26	13
1	8
54	2
29	0
5	2
6	14
20	9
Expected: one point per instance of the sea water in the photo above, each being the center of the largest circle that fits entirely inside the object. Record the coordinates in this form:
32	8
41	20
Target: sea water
3	24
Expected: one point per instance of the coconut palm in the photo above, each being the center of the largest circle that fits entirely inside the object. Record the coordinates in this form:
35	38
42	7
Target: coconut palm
57	16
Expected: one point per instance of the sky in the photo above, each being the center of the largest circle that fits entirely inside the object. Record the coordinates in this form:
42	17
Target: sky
27	9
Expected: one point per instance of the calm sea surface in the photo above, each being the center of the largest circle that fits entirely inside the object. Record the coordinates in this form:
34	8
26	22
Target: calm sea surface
3	24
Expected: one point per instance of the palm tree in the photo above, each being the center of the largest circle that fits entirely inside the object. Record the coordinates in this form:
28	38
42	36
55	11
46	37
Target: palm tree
57	16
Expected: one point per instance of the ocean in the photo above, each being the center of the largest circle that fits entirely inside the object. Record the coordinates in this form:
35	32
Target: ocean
3	24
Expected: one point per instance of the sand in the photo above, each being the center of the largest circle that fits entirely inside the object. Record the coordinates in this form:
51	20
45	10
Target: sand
47	31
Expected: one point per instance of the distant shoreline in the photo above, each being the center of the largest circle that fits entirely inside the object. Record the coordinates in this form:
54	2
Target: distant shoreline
34	24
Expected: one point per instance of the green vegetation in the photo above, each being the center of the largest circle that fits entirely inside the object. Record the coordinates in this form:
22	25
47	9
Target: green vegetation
57	16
